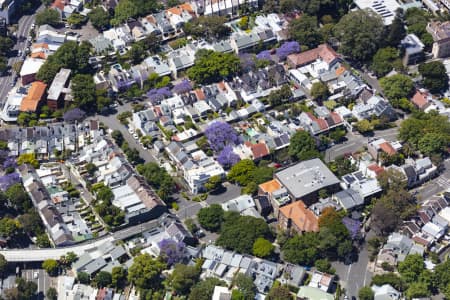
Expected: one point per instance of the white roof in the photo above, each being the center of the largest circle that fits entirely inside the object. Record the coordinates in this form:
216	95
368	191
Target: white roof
445	213
384	8
31	66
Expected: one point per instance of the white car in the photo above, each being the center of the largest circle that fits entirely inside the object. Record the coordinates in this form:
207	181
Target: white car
135	136
130	130
36	275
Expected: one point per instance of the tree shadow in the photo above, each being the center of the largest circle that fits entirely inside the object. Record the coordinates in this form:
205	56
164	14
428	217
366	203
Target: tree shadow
220	190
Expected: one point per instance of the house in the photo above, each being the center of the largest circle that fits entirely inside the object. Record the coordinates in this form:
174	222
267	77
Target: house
243	204
422	99
440	31
11	108
349	199
417	171
33	100
385	292
120	79
275	193
323	52
221	293
305	179
298	218
374	106
29	69
221	8
380	145
321	281
58	89
310	293
144	120
293	275
413	49
366	187
385	9
397	247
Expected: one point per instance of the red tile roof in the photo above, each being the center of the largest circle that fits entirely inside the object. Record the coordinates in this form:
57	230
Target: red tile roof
376	168
301	216
325	52
59	4
259	150
336	118
199	94
420	99
31	102
387	148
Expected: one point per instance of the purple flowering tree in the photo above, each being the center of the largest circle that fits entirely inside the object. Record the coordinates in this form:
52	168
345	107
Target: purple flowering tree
10	162
8	180
287	48
227	157
264	55
182	87
172	252
221	134
247	61
73	115
157	95
353	226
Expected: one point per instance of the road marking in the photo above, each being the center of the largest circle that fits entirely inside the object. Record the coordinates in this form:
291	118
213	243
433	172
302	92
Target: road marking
348	271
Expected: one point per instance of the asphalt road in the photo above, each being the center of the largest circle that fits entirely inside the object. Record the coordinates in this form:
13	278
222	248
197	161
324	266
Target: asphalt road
436	185
189	209
23	30
356	141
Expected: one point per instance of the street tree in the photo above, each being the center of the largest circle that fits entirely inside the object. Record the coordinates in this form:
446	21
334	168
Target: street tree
183	278
360	33
434	76
397	87
50	266
366	293
145	271
48	16
211	217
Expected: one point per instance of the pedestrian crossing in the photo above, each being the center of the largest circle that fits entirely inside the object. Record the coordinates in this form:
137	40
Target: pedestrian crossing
443	182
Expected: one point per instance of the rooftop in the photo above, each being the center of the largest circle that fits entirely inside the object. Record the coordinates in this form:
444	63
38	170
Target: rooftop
58	84
35	94
306	177
301	216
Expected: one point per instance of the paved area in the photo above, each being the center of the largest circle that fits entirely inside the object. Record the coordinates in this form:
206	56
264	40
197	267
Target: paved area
189	208
434	186
40	277
356	275
22	32
356	141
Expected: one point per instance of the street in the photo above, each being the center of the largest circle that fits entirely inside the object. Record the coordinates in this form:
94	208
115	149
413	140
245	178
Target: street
22	34
356	141
35	274
434	186
356	275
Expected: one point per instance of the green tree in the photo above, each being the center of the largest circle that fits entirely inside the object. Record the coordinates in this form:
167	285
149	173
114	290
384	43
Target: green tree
323	265
305	30
411	268
28	158
383	60
136	53
211	217
83	277
3	266
241	172
280	292
301	249
364	126
366	293
76	20
183	278
124	10
158	178
145	271
99	18
210	66
9	227
43	241
6	44
417	290
360	33
433	143
263	248
83	91
245	286
214	183
239	233
435	76
396	31
303	146
204	289
91	168
18	197
50	266
118	277
118	137
48	16
397	86
389	278
51	294
103	279
208	27
319	91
